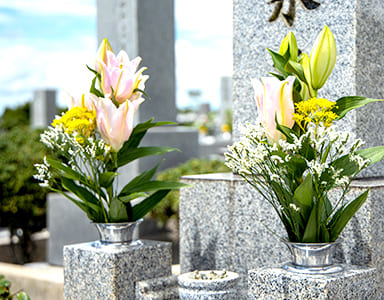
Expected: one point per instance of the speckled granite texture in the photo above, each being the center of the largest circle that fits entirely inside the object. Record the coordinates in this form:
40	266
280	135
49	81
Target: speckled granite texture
276	283
219	289
357	26
163	288
220	228
108	272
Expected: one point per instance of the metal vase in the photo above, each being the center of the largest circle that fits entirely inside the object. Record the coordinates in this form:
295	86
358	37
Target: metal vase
126	233
312	258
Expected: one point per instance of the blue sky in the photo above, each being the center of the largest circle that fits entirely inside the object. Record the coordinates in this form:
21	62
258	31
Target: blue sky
46	44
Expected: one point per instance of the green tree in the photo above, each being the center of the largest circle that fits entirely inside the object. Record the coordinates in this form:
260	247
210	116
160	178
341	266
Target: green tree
22	200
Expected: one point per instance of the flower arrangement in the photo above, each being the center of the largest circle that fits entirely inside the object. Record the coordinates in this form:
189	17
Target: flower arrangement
97	136
295	155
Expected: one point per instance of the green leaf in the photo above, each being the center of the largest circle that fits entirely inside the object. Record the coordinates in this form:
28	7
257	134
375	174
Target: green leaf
130	197
128	156
343	215
92	70
79	191
142	208
94	90
278	76
141	178
69	173
106	179
297	69
312	230
155	186
348	103
303	196
95	215
66	171
374	154
279	62
138	133
117	211
288	132
22	296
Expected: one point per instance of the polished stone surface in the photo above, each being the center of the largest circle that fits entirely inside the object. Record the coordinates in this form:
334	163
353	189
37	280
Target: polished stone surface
92	271
357	27
276	283
223	224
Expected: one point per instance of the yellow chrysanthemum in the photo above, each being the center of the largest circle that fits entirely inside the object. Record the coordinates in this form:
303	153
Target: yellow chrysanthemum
315	110
78	120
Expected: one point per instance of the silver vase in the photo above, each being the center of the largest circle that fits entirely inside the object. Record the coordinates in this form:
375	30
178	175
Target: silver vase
312	258
126	233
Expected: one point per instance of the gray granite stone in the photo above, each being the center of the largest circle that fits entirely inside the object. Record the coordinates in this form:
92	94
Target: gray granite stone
92	271
217	289
43	108
66	224
163	288
276	283
357	27
224	221
146	29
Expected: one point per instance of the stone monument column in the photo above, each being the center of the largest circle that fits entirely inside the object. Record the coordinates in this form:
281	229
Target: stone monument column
43	108
145	28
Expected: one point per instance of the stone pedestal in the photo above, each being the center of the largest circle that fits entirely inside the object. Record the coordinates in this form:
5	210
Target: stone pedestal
224	221
276	283
92	271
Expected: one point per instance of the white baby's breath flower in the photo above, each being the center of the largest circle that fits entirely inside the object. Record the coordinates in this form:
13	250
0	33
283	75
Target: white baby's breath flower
294	207
277	159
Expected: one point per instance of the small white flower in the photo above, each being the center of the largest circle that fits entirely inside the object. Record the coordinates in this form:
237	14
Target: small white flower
294	207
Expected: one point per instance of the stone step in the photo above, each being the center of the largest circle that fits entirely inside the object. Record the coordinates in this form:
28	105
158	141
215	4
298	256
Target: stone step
39	280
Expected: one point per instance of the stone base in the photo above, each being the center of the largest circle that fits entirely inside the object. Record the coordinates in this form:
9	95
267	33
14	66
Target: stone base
276	283
92	271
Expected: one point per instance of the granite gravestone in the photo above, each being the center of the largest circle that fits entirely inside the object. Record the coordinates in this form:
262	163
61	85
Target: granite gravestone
43	108
220	216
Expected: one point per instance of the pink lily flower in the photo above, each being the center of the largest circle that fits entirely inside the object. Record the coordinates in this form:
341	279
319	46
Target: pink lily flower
115	124
274	98
120	78
85	100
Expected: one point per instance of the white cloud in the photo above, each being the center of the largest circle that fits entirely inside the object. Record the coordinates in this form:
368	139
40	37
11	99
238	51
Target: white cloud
52	7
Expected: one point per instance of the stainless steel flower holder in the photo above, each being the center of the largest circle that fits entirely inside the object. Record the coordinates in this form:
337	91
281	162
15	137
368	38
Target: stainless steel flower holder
119	233
312	258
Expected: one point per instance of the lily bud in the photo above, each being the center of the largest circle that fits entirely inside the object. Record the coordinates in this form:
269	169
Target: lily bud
306	90
102	53
323	58
289	41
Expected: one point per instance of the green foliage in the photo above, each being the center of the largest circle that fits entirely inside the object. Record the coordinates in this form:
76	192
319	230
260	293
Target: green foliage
169	207
22	199
15	117
5	293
